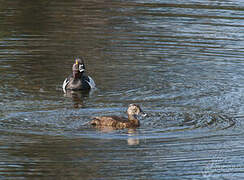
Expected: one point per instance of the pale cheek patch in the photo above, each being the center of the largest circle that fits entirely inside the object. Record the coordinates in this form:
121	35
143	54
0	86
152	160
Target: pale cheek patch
81	68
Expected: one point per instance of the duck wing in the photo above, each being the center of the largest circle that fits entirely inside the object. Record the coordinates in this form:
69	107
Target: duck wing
91	82
65	83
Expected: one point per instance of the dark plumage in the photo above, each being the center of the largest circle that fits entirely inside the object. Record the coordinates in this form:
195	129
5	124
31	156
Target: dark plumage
120	122
78	80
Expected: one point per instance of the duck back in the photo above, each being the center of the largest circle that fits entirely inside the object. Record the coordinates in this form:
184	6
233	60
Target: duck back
115	121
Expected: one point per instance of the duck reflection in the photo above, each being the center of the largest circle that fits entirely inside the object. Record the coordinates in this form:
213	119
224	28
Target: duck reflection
132	139
77	97
132	134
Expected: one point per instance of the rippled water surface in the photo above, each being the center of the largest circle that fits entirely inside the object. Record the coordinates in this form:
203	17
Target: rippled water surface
181	61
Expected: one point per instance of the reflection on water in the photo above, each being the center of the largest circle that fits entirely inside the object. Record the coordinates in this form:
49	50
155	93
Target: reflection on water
77	97
181	61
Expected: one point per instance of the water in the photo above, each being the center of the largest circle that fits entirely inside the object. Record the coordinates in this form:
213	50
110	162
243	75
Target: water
181	61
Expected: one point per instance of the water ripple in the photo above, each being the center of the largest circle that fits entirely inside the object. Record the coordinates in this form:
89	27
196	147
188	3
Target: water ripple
180	61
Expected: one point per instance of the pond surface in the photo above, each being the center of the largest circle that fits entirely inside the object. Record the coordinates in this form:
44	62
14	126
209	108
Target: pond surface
181	61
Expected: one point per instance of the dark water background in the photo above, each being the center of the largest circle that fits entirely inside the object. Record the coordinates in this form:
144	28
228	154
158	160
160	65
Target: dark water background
181	60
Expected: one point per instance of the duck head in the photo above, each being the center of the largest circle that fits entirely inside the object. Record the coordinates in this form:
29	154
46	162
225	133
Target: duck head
81	64
134	109
78	68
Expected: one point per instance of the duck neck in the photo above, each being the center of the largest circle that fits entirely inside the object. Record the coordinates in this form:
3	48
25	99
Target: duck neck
77	75
133	119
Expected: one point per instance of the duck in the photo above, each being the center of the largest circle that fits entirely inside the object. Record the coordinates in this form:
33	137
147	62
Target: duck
120	122
78	80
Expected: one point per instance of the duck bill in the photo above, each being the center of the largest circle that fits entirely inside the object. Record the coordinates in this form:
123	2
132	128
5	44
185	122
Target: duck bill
143	114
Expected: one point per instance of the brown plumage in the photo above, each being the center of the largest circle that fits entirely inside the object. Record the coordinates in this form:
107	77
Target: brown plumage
120	122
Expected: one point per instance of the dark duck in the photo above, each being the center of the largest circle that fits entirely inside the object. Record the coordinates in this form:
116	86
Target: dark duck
120	122
78	80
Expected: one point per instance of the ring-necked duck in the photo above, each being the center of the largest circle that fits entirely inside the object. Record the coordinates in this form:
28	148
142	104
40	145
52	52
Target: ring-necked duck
78	80
121	122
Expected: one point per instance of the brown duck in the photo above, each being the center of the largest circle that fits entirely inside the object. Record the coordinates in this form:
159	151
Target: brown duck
120	122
